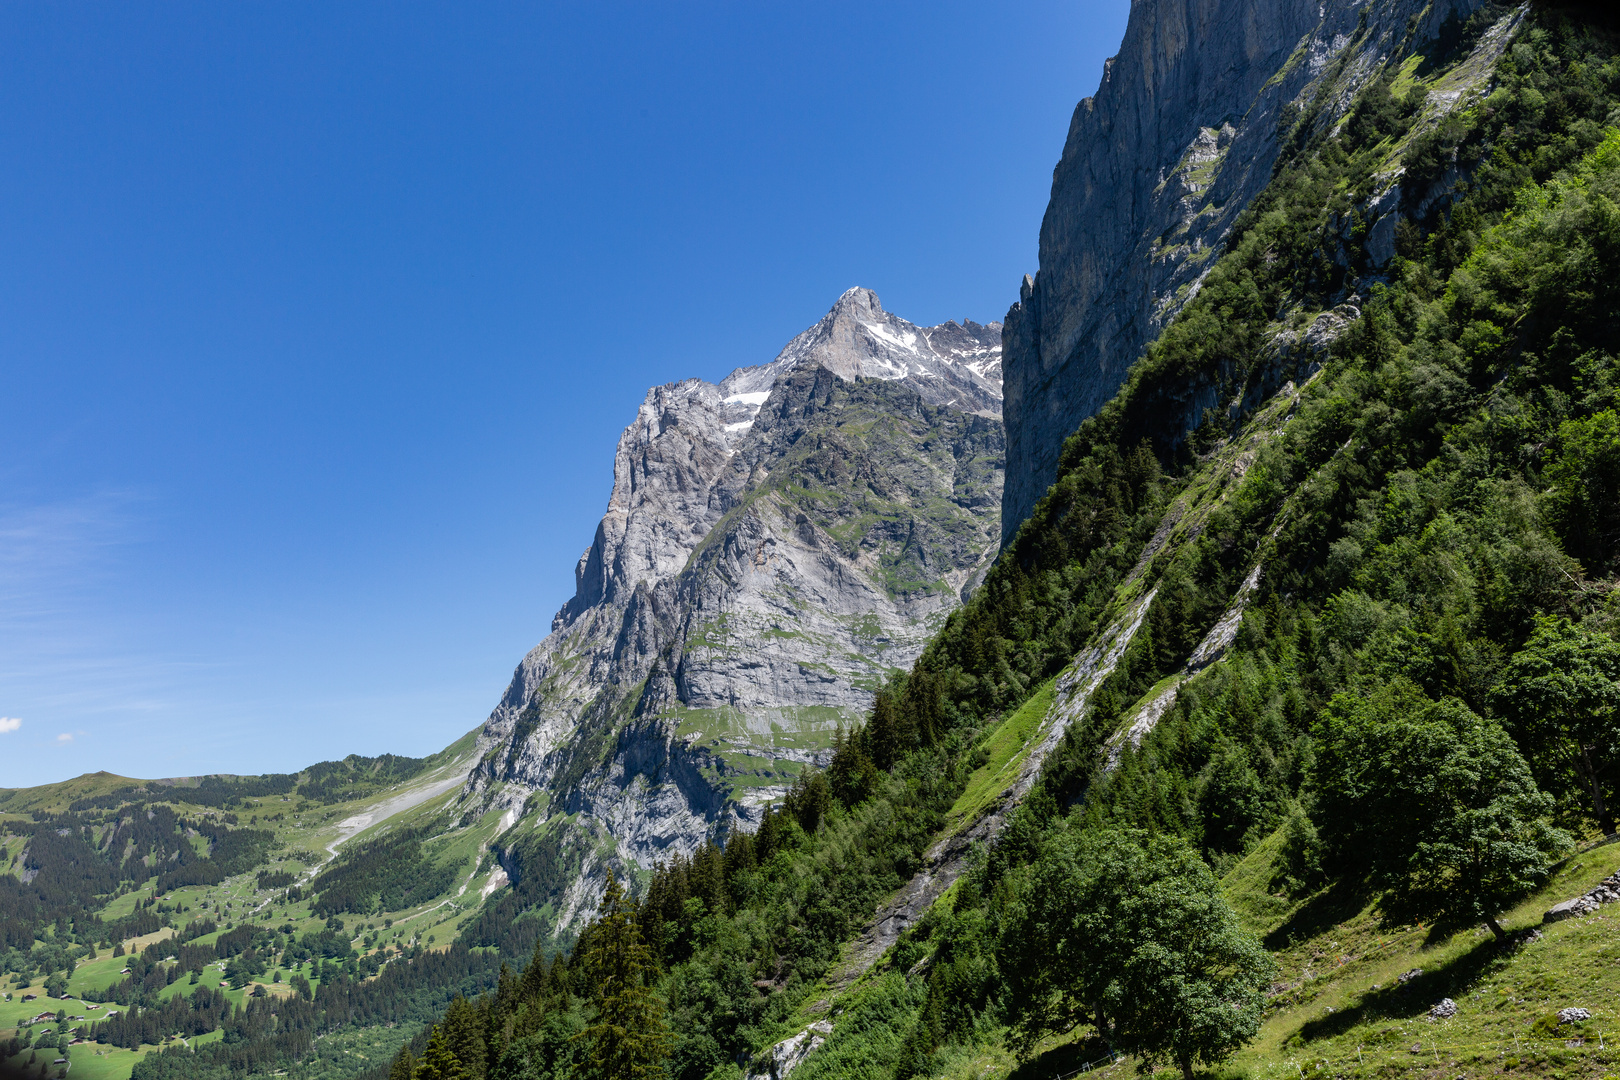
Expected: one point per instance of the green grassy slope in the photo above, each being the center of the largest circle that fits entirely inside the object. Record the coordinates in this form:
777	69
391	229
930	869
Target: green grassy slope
55	798
1342	1009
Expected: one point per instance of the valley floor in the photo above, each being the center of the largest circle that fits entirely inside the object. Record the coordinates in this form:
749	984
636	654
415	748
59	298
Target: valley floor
307	839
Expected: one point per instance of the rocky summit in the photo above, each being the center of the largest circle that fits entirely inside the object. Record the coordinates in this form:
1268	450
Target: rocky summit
955	364
774	547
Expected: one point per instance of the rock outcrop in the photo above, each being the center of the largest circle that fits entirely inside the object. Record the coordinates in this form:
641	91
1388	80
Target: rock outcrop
773	548
1180	137
1606	892
780	1060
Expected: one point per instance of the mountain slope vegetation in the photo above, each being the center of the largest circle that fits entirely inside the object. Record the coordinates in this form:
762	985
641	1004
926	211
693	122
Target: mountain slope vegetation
1270	735
1408	461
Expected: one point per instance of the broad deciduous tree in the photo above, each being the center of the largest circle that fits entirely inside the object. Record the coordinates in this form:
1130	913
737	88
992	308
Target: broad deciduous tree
1561	695
1132	935
1436	802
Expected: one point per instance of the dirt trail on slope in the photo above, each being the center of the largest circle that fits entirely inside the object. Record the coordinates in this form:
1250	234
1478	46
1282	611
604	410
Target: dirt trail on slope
354	825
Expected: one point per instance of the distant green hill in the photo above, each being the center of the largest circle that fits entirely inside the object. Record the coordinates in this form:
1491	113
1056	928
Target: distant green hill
134	896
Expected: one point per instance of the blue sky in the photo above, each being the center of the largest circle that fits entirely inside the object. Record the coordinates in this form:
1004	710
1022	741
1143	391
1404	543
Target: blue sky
319	322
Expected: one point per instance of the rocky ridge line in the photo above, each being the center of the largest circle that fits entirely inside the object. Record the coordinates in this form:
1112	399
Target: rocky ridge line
1179	139
774	546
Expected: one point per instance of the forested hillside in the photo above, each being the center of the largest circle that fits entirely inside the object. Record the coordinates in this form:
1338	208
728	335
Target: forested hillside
218	913
1262	748
1399	500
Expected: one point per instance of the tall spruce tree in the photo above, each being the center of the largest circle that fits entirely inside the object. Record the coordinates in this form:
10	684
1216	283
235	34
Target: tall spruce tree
439	1061
464	1030
627	1039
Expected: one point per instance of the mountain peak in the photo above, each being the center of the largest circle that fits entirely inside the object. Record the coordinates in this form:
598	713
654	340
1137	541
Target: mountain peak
958	365
858	299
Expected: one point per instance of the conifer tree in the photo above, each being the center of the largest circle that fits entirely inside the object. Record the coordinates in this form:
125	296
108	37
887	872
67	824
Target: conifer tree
922	718
884	735
739	854
809	800
708	877
628	1039
439	1062
464	1034
535	977
852	774
769	837
508	990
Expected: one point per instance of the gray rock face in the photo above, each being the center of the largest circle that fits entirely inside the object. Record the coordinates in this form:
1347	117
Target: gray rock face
1180	137
787	1055
773	548
1606	892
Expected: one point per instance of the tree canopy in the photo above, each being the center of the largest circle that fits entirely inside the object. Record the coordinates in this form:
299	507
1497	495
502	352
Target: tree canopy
1561	694
627	1039
1131	934
1433	800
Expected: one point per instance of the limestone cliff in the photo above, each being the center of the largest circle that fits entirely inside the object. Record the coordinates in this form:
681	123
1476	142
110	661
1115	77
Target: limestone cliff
1180	137
774	546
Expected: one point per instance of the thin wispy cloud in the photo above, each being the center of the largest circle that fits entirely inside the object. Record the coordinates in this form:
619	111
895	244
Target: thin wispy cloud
87	676
67	652
61	647
50	552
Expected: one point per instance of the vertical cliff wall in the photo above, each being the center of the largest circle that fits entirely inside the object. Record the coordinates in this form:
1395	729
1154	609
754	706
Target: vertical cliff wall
1181	135
774	548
